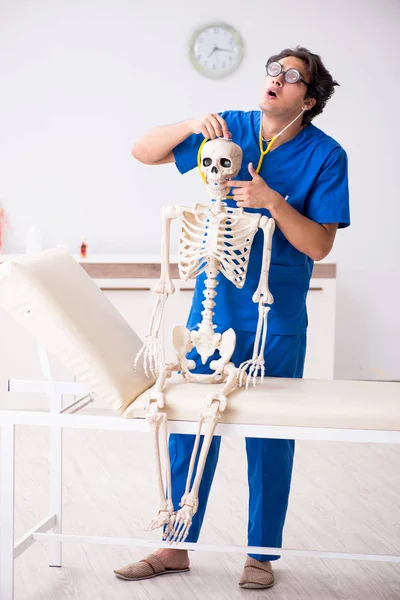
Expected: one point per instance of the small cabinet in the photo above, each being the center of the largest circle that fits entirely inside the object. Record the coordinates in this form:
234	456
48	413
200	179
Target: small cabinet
321	308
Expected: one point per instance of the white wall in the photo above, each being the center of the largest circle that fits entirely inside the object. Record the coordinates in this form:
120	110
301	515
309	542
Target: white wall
80	80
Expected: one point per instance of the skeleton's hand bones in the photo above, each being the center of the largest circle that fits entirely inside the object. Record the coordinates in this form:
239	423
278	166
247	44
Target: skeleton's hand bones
254	367
255	193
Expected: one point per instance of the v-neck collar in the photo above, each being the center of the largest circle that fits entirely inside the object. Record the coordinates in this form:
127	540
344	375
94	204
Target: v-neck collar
293	140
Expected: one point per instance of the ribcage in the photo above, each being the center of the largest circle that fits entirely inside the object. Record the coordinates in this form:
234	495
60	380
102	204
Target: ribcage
226	237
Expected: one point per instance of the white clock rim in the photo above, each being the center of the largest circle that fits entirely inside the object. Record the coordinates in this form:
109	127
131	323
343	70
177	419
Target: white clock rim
221	73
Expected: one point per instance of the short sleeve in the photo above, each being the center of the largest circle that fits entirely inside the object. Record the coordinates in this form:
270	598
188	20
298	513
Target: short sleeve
328	198
186	152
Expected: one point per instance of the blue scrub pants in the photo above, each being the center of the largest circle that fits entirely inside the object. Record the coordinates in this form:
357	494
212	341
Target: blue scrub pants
269	461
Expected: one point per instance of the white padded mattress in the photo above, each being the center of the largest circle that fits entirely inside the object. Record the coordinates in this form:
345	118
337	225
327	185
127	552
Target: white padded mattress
289	402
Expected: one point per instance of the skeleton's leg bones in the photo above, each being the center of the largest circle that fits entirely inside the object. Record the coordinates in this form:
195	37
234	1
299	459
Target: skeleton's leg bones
159	428
158	424
182	345
226	349
195	450
180	523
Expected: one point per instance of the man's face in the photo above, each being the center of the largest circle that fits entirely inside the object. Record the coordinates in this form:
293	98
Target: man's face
279	97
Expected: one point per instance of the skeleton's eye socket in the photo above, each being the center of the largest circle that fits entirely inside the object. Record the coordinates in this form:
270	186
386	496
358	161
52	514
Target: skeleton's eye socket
226	163
207	162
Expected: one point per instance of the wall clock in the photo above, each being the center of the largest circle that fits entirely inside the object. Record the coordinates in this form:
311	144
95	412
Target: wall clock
216	50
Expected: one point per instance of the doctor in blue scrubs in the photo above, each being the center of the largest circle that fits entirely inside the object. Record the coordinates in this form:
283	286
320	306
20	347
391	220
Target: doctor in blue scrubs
294	172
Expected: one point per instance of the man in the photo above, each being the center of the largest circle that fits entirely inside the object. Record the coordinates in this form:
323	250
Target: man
302	184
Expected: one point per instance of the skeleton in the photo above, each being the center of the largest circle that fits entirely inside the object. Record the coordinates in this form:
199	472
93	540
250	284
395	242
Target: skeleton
214	238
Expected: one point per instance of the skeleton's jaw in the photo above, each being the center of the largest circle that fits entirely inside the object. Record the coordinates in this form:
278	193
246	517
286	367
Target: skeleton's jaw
217	189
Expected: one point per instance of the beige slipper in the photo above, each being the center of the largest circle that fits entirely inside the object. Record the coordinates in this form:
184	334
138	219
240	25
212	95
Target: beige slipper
257	575
151	566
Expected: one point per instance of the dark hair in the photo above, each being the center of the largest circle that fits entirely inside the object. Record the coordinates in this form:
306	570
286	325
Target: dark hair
322	85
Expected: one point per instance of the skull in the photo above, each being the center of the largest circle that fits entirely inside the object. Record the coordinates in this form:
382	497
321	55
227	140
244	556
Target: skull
220	161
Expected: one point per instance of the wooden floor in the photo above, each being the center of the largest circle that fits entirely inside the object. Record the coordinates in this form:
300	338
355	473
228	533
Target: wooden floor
345	497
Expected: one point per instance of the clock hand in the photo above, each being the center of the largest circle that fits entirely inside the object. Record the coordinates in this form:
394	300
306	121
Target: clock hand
212	51
223	50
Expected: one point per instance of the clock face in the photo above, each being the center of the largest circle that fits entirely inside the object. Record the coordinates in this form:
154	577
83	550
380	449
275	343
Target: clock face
216	50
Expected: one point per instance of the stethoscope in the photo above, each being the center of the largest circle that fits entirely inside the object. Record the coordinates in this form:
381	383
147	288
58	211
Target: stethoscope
263	152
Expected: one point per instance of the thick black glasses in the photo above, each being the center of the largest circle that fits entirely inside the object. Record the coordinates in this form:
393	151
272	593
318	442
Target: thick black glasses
290	76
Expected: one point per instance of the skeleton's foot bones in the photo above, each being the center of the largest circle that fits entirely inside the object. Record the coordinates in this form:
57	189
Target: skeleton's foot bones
163	518
181	521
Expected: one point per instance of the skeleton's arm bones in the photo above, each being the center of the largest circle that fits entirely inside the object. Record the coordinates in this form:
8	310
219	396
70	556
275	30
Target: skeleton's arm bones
164	287
263	296
152	350
165	284
262	293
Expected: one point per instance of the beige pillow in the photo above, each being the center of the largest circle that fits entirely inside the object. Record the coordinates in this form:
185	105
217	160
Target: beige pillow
53	297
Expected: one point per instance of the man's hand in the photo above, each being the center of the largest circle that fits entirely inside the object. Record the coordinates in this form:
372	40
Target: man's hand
255	193
307	236
211	126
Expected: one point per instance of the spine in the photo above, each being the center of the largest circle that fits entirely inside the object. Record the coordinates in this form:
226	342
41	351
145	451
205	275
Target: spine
207	325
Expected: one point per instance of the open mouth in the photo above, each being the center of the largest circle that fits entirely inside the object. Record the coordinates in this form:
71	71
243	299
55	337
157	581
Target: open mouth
271	94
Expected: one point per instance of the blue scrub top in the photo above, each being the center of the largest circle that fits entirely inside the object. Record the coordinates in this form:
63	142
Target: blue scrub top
311	169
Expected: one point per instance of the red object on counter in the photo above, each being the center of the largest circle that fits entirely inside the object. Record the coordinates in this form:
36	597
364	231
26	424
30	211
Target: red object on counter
83	251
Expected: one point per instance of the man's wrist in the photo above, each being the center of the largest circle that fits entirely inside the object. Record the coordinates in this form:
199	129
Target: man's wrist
189	126
275	203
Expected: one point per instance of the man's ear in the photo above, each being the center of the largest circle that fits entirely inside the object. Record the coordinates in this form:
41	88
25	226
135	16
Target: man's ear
309	103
